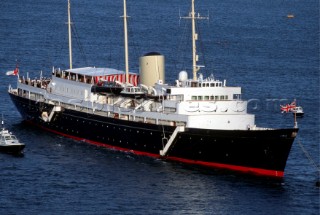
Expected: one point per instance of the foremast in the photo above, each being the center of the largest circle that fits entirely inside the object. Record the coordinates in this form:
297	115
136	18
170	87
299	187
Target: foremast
195	68
195	57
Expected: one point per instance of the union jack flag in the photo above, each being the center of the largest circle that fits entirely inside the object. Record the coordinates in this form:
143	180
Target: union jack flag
14	72
288	107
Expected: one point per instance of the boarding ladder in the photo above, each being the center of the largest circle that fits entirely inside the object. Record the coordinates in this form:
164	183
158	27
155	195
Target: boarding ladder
47	118
170	142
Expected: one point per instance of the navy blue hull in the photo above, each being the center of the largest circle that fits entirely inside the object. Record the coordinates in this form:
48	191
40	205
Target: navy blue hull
13	149
262	152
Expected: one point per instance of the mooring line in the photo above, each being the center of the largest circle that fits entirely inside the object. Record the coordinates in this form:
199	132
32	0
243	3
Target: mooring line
308	156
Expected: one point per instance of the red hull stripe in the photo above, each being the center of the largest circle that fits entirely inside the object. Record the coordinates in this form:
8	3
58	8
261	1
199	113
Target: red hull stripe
247	170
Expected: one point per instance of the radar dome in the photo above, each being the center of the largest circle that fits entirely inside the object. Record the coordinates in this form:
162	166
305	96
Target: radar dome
183	76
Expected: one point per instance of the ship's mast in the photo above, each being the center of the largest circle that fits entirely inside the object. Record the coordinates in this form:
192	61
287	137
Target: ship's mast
195	57
69	33
195	68
126	52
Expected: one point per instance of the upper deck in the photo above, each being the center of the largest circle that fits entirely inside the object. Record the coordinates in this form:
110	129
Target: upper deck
92	75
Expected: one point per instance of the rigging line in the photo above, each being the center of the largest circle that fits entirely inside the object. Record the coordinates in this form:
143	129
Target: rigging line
109	59
202	51
136	49
79	44
49	58
74	30
181	42
308	156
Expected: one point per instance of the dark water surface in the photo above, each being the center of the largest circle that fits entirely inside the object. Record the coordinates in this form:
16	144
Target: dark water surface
252	44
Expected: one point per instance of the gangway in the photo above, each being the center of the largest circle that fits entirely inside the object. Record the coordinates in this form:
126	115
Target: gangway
172	138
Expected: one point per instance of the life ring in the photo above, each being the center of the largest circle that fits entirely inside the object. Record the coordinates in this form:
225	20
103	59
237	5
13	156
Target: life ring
116	115
45	116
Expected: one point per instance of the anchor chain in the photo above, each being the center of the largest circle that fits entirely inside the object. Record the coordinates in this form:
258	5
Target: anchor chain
308	156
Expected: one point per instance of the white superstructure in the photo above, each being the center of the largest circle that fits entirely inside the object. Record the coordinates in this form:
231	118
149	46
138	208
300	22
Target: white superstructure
204	103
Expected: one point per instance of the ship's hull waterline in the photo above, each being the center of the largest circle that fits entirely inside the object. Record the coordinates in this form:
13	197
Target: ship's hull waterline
258	152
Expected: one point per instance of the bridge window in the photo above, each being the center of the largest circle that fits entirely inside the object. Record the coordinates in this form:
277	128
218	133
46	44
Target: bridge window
237	96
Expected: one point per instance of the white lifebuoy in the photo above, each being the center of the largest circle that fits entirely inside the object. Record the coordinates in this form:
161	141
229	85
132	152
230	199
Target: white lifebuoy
45	116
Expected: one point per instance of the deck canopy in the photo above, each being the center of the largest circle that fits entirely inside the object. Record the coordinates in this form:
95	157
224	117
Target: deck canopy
95	75
93	71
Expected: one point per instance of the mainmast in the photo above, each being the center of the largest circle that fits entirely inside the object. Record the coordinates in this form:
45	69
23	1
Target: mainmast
69	33
126	52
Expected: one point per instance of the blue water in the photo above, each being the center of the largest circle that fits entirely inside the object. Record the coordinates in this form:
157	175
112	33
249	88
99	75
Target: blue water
252	44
